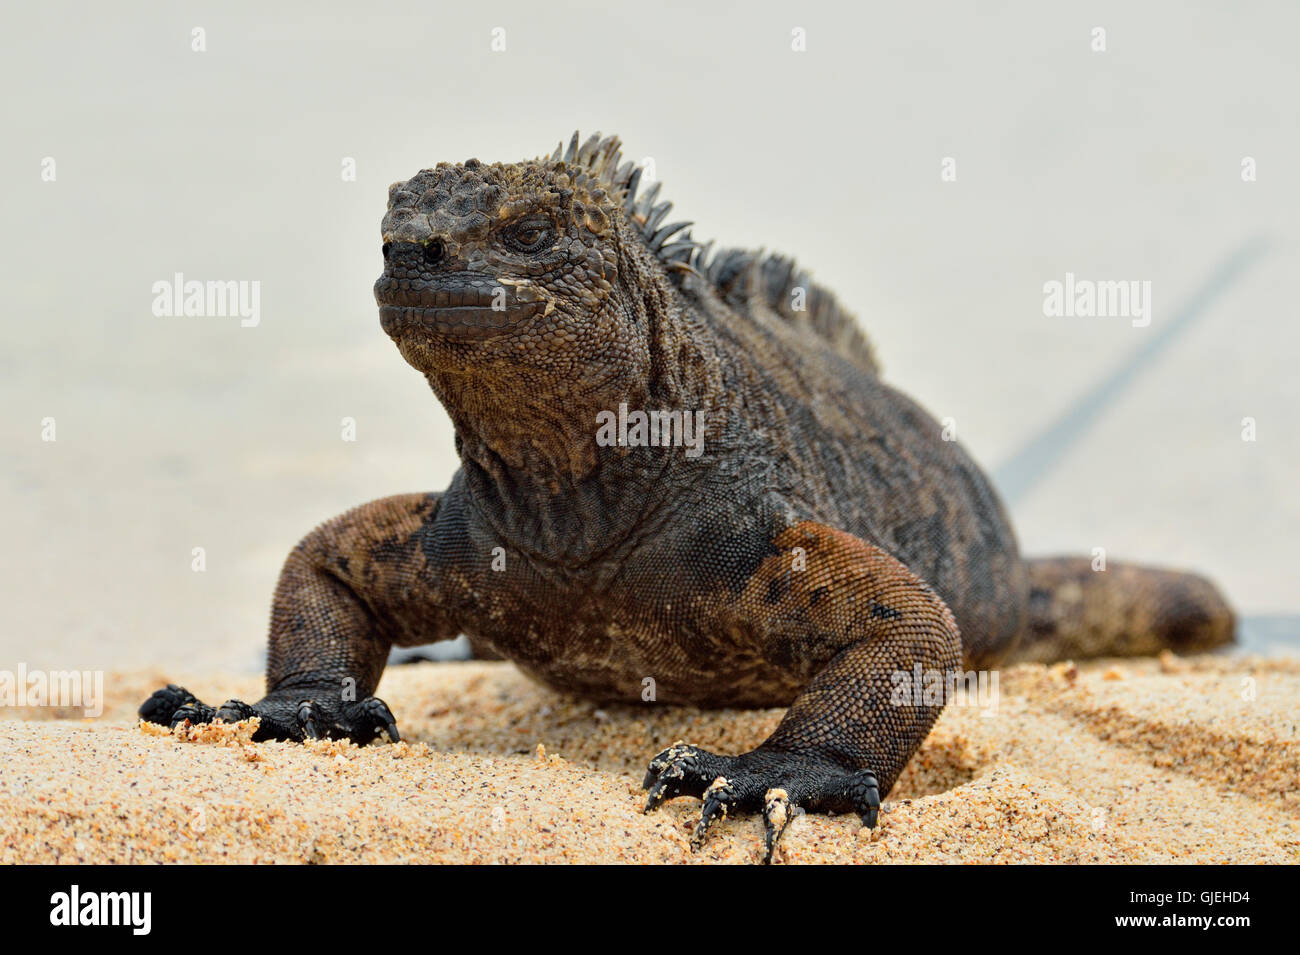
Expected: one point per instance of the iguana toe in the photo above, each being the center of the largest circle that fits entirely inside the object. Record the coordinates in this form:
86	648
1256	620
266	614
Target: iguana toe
366	720
718	799
234	711
163	703
193	713
681	770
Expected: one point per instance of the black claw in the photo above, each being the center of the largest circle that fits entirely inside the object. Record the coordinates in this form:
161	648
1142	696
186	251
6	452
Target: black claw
195	713
675	772
718	799
866	797
366	720
666	787
306	714
382	718
662	762
233	711
778	812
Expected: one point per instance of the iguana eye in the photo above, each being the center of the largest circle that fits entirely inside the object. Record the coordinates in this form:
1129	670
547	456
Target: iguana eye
530	235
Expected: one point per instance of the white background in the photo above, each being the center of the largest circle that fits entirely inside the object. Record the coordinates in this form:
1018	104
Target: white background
182	432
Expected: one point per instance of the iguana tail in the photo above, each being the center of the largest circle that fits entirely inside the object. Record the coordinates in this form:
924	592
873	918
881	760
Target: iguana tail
1126	610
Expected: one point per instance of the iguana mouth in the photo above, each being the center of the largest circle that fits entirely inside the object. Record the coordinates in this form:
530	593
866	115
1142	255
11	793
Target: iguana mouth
467	307
471	323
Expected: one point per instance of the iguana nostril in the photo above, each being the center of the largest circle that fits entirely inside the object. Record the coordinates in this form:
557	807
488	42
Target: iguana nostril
388	247
434	251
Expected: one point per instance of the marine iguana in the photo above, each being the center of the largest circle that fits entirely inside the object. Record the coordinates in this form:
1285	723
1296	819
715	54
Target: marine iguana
822	539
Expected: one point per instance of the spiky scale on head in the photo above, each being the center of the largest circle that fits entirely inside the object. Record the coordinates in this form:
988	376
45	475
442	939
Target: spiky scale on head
740	276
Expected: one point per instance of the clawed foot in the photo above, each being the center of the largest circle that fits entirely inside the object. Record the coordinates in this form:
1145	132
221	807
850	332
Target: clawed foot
284	715
773	782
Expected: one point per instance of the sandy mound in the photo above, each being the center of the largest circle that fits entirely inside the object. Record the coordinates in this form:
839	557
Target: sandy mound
1151	761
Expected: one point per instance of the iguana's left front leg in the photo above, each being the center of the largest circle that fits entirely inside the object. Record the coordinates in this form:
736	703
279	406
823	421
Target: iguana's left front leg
351	589
845	739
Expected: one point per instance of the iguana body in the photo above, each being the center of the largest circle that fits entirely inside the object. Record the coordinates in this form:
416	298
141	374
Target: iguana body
826	538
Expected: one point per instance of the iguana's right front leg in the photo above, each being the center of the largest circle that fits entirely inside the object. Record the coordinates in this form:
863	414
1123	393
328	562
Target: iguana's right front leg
348	592
825	595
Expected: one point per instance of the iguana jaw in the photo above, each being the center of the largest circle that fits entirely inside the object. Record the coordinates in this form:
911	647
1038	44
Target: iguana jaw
465	307
455	323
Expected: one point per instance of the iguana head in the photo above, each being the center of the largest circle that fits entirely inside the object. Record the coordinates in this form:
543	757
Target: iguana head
534	295
514	267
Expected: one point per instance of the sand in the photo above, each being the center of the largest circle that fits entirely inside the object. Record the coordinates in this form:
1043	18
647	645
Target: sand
1172	760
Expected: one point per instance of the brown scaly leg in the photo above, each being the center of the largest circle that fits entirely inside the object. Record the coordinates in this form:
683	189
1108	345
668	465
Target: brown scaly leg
843	742
345	596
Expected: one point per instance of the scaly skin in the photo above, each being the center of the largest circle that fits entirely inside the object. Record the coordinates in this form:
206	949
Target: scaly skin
826	538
